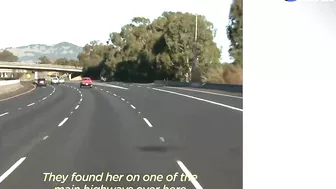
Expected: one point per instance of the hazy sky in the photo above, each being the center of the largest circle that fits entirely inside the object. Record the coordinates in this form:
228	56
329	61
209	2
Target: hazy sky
79	22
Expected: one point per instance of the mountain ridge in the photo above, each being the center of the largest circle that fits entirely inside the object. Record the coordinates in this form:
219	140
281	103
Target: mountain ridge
32	52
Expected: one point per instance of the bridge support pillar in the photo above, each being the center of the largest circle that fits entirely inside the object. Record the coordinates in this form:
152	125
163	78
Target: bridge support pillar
35	75
69	77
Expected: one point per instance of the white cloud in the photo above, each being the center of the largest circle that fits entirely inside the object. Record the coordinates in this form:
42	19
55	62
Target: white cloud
53	21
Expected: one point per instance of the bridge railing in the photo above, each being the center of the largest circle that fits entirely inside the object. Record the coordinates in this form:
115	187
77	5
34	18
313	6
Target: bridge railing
20	65
40	65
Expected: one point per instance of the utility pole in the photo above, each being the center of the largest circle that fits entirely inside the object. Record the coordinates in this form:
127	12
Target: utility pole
195	76
195	46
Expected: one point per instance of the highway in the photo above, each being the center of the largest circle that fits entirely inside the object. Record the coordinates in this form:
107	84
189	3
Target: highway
121	129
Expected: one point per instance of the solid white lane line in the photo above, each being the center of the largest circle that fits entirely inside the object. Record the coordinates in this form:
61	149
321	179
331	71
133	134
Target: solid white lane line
133	106
200	99
76	107
11	169
207	92
45	137
148	123
109	85
189	175
4	114
64	120
122	99
31	104
162	139
44	98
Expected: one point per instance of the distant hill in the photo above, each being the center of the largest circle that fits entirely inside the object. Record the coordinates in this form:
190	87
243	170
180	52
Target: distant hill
31	53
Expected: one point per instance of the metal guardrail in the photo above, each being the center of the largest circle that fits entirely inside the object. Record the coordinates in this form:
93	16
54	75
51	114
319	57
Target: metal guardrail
9	82
222	87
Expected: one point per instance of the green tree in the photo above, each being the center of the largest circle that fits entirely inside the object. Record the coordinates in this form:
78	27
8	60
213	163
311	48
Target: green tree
145	50
67	62
235	31
44	60
7	56
180	41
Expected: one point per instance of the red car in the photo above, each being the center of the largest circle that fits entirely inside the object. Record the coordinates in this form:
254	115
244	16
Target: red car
86	82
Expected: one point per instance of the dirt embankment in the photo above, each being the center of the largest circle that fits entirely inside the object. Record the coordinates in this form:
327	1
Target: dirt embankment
15	90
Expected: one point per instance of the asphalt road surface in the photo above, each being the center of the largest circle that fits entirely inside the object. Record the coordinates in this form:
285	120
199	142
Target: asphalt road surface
125	135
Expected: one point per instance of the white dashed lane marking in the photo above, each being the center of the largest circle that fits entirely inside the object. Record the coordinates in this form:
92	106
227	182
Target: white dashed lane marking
122	99
189	175
44	98
133	106
114	95
65	119
3	114
162	139
45	137
148	123
11	169
31	104
76	107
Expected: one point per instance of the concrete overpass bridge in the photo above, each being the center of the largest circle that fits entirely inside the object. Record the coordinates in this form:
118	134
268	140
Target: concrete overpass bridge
40	67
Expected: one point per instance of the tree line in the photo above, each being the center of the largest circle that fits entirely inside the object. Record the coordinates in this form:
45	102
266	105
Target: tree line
60	61
7	56
164	48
